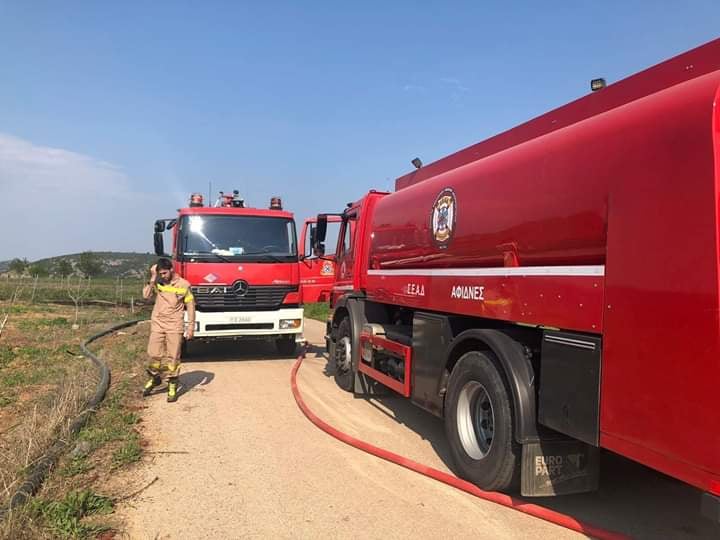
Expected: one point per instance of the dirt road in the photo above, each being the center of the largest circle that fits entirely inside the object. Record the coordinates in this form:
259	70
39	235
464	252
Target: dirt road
235	458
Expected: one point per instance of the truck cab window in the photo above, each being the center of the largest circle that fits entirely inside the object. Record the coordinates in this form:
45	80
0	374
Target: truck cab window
345	245
308	251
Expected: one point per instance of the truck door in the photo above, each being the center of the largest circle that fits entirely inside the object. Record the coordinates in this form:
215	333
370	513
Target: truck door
317	275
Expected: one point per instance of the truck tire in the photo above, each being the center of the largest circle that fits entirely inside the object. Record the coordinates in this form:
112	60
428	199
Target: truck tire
344	374
479	424
286	346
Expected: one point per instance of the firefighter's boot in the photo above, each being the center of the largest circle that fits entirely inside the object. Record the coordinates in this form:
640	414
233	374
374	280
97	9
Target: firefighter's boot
153	381
172	390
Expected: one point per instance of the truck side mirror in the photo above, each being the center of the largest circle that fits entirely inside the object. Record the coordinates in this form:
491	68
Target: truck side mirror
319	249
321	228
159	225
159	245
318	238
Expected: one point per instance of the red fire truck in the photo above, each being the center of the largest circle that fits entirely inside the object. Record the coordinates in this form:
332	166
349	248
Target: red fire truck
242	264
554	289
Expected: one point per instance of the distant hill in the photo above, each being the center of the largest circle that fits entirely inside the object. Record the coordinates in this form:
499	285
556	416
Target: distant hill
112	263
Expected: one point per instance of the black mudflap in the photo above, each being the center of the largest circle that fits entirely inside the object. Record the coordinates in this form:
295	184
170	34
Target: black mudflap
365	386
710	507
559	468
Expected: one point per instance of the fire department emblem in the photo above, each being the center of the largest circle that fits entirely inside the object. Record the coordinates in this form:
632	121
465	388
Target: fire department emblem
327	268
442	220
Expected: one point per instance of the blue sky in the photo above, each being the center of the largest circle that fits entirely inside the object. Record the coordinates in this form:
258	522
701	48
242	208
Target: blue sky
129	106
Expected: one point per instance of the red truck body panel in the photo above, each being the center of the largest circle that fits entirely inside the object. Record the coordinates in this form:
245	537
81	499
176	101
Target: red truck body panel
222	273
226	273
568	302
219	211
602	217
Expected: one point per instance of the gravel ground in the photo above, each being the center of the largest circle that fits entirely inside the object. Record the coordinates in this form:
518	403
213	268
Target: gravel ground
235	458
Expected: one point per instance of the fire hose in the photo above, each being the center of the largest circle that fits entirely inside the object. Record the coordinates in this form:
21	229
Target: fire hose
534	510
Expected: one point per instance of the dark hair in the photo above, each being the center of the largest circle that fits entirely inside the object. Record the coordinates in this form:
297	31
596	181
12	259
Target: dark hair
164	263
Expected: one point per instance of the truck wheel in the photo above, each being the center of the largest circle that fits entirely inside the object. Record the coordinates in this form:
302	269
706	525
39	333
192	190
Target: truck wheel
344	375
479	424
286	346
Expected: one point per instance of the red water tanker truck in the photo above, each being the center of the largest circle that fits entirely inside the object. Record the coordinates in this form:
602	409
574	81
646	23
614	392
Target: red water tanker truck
553	290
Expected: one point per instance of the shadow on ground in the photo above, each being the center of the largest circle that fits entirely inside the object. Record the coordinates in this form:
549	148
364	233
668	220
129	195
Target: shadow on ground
632	499
191	379
212	351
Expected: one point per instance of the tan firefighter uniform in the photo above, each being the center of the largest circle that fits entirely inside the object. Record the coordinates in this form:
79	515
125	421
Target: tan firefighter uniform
167	324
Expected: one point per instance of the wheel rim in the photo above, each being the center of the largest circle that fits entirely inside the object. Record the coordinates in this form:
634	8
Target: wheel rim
475	420
343	354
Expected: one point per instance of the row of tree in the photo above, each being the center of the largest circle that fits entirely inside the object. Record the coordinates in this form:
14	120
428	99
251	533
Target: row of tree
88	264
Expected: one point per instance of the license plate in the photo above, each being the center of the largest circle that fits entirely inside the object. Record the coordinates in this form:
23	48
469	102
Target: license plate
239	319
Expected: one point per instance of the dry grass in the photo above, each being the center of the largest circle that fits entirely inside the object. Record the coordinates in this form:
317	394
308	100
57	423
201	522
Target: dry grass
43	386
47	421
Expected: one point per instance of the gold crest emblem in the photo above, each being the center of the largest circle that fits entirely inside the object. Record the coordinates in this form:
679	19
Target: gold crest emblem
443	217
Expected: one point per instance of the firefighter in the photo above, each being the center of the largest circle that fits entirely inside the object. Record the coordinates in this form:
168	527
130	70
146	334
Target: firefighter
172	297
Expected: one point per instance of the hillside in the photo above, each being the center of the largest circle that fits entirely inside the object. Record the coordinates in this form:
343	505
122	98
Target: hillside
112	263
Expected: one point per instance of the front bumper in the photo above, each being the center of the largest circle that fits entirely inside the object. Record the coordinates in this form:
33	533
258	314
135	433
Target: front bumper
248	324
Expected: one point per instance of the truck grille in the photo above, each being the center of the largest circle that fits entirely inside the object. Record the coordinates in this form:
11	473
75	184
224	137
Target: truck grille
249	326
225	298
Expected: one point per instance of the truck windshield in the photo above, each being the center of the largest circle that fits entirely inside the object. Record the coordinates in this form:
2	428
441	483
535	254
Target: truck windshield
237	238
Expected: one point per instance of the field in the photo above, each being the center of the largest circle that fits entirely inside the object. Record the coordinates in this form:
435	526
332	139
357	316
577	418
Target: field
44	383
319	311
107	291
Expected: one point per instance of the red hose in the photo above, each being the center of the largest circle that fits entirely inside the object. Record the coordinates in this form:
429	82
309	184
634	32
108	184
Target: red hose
505	500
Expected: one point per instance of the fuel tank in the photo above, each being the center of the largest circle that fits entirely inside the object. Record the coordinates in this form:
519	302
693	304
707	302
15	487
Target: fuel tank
544	202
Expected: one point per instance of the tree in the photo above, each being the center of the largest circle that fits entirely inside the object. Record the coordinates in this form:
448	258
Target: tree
18	266
63	268
89	264
76	294
40	269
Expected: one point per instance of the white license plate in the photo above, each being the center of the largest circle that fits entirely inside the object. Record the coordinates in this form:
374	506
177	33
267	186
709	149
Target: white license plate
240	319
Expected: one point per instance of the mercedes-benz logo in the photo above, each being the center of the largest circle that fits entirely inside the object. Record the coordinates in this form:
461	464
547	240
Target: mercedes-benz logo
240	287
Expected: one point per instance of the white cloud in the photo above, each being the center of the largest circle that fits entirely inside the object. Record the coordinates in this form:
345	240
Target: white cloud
454	83
456	87
56	201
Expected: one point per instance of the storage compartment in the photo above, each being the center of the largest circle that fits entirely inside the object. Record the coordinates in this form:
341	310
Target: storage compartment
569	400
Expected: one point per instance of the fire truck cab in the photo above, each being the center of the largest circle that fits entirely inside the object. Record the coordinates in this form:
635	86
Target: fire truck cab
242	264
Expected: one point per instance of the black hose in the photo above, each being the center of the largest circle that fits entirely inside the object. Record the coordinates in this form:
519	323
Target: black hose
42	466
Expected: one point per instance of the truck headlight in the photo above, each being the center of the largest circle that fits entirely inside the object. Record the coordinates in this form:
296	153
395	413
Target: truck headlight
287	324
